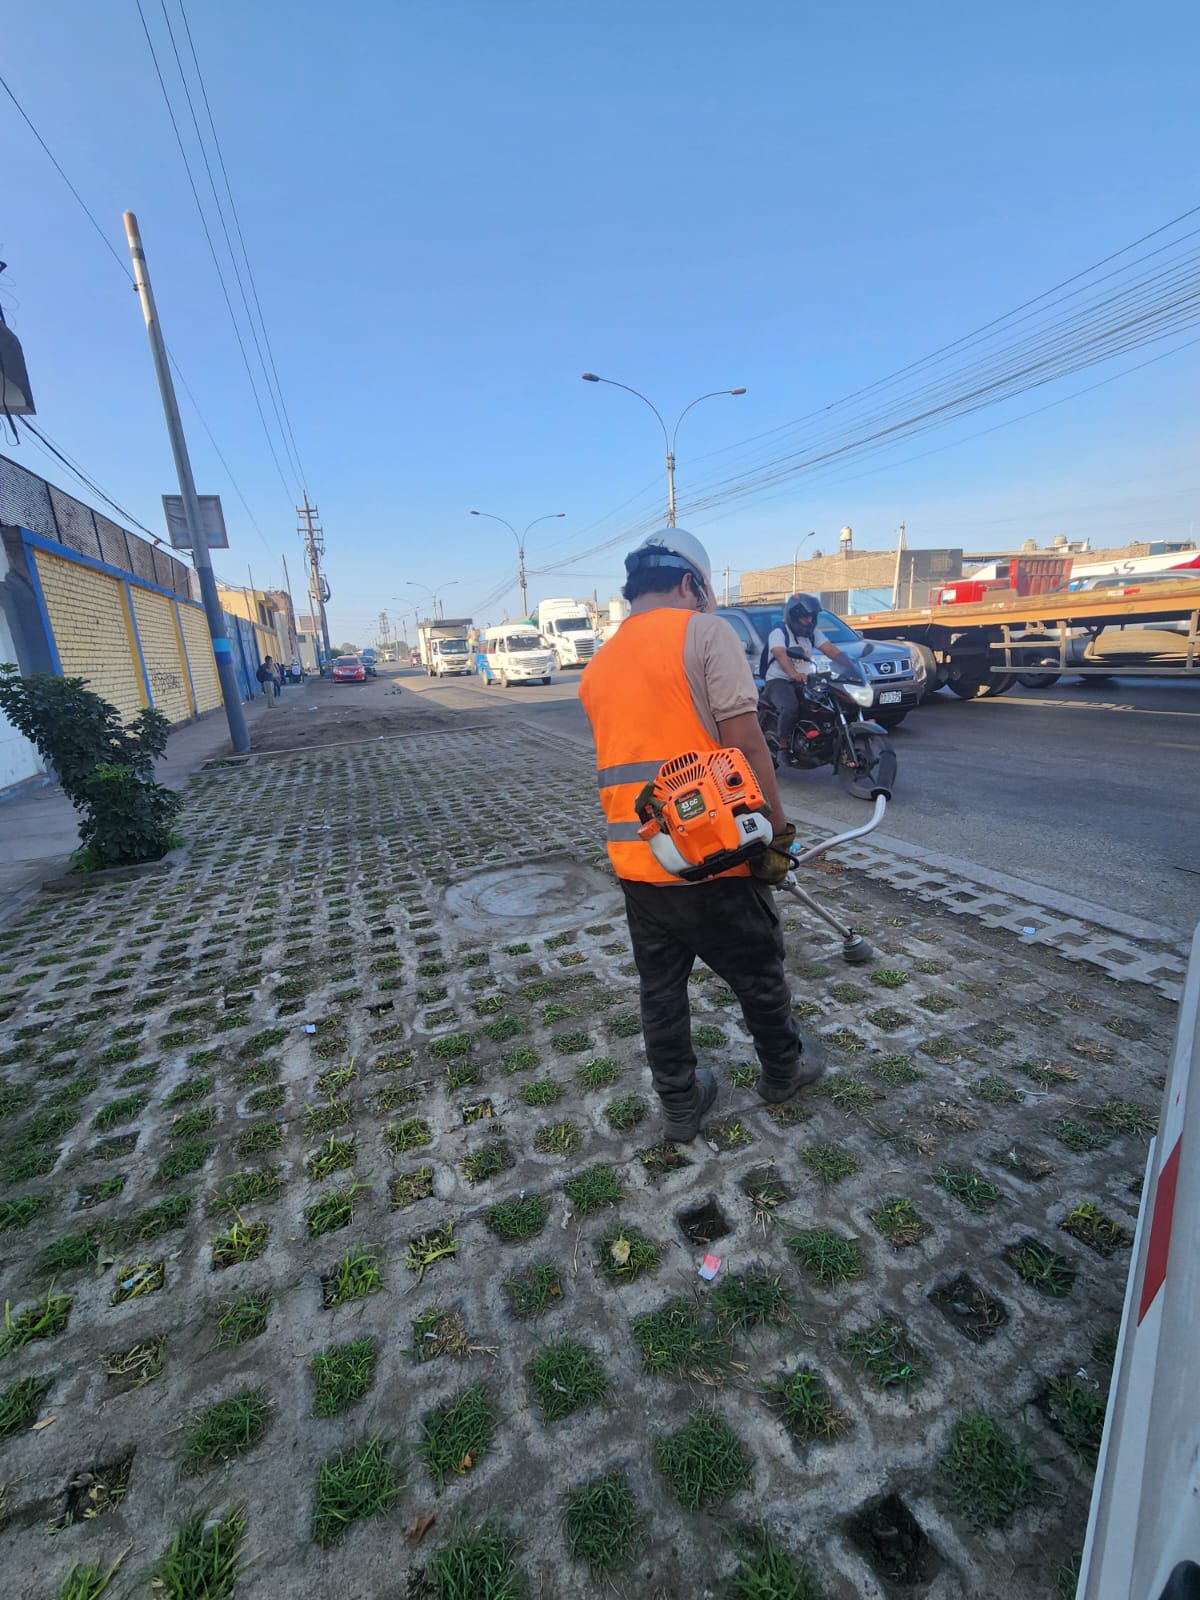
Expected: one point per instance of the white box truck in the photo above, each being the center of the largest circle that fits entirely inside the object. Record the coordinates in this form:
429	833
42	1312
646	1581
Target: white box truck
443	646
567	624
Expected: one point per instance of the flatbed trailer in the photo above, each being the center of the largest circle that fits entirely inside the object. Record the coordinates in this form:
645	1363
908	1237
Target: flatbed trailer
980	647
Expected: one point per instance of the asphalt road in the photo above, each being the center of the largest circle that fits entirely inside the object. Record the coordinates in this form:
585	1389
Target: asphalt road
1091	791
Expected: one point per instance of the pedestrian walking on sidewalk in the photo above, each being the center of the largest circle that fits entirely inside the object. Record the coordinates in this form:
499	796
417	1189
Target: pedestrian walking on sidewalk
674	679
267	679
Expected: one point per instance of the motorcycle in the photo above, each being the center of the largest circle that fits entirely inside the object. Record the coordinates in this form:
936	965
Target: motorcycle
833	730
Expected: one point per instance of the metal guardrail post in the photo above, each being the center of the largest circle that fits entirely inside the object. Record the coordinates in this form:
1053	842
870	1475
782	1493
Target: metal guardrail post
1143	1536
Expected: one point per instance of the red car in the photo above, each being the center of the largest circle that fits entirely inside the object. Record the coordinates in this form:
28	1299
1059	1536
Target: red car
348	669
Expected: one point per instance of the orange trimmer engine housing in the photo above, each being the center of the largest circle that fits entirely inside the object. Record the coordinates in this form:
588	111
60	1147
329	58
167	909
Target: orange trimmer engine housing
704	813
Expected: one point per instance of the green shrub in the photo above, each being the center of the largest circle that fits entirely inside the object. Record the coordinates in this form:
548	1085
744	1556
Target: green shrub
105	767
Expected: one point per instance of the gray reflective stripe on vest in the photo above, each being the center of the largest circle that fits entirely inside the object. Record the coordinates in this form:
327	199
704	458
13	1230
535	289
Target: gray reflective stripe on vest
628	772
620	832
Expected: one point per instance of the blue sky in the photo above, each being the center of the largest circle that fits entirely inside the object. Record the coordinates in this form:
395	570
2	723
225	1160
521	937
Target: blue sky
454	209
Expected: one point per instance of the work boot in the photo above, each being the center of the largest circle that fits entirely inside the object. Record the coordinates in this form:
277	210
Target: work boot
774	1087
683	1113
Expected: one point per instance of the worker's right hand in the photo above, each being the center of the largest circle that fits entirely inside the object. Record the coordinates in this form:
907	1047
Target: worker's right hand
774	864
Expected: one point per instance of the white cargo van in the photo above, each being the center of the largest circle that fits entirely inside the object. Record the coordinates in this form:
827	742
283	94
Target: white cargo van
517	653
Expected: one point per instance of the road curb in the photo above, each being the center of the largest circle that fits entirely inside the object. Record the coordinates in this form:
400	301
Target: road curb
1121	945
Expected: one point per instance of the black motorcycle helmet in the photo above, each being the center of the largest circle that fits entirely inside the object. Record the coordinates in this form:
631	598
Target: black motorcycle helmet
800	612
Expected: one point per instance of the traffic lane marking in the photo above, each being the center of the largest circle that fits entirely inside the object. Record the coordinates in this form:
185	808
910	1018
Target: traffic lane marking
1090	705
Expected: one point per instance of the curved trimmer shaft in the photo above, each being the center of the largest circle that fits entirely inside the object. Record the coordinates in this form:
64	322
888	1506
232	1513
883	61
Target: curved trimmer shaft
855	949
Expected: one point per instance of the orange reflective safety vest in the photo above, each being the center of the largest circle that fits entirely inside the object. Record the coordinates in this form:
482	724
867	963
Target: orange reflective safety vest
638	700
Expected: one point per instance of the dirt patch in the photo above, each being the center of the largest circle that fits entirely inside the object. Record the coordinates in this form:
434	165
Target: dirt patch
318	713
895	1544
977	1315
703	1223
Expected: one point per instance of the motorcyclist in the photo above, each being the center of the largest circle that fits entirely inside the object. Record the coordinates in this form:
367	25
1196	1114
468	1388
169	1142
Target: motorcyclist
790	651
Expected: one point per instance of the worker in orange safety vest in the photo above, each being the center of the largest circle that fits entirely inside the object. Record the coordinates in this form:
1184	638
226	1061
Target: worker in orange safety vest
674	679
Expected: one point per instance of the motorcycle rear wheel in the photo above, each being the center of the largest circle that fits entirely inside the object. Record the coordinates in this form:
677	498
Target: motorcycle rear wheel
859	779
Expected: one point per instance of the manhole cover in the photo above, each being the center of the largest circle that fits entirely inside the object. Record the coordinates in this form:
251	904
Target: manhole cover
557	890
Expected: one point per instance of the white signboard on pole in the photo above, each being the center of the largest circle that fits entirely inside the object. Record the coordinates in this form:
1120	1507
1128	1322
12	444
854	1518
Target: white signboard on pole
212	521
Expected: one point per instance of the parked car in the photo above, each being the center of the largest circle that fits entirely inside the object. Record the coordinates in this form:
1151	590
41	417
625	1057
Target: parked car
348	669
895	672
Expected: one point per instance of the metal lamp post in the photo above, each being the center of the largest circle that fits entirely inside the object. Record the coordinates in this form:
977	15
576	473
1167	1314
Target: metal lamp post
520	538
669	438
433	594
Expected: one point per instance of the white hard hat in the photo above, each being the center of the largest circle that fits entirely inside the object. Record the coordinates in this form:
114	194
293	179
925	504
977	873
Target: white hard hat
673	547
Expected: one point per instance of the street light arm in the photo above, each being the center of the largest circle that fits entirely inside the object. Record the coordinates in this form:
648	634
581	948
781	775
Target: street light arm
590	377
491	516
549	517
711	395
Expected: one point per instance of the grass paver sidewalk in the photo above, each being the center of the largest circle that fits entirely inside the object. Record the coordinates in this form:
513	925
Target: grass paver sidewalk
342	1213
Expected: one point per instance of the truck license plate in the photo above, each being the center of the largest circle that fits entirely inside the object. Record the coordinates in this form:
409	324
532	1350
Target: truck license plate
889	697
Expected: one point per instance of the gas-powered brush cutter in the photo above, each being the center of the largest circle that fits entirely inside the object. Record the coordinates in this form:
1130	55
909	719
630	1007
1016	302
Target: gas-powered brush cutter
705	813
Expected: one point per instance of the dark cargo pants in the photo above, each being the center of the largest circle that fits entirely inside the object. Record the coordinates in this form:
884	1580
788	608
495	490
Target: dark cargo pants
732	925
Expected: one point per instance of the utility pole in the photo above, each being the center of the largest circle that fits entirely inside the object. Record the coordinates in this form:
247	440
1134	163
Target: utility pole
726	585
896	579
314	548
385	629
201	560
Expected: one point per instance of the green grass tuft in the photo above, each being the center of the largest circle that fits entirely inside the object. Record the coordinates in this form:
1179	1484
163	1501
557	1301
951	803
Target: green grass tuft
342	1374
764	1572
1090	1226
1077	1411
592	1189
886	1352
201	1561
439	1244
805	1406
598	1073
990	1474
624	1253
626	1112
249	1188
675	1343
43	1318
478	1566
704	1463
333	1156
521	1218
1041	1268
410	1134
603	1524
227	1430
534	1290
751	1299
565	1377
829	1163
826	1256
70	1252
356	1483
409	1187
969	1187
487	1162
243	1318
357	1275
457	1434
243	1241
20	1404
900	1223
184	1160
558	1138
333	1210
847	1093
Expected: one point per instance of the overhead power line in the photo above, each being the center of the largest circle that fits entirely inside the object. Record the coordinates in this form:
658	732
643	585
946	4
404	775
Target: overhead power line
77	471
287	421
212	249
123	265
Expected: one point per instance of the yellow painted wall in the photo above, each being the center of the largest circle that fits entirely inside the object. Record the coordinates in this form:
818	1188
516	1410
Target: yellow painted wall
92	631
200	657
165	666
